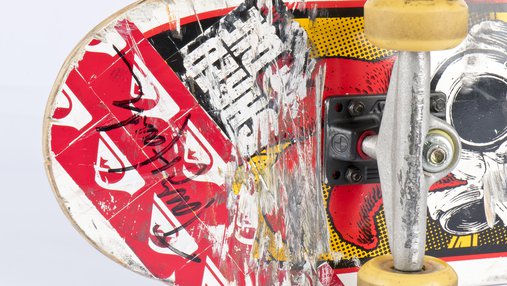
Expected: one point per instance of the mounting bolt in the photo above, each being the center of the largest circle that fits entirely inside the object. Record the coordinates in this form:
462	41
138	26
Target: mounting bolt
438	151
354	175
356	108
438	104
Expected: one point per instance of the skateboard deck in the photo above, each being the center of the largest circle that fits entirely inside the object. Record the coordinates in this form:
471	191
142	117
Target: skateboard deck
186	141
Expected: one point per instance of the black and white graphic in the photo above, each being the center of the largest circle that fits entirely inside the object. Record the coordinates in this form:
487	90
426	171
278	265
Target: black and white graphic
244	69
475	82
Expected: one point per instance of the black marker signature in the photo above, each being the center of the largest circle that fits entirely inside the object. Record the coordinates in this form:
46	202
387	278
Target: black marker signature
158	155
128	103
180	201
180	206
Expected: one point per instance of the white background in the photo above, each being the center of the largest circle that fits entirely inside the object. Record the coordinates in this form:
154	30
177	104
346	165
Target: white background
38	245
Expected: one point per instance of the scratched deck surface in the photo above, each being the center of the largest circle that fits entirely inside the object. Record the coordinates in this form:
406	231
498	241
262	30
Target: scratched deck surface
183	140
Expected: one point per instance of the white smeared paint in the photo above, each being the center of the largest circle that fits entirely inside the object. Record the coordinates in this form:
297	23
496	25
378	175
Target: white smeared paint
92	224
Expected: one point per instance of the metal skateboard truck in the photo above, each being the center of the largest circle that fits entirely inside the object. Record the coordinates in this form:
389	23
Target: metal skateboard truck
413	148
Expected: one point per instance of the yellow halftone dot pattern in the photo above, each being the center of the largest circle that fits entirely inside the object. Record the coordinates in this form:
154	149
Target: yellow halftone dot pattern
436	238
494	236
341	37
349	251
344	37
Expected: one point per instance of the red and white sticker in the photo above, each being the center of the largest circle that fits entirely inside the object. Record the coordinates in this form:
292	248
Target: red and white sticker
145	154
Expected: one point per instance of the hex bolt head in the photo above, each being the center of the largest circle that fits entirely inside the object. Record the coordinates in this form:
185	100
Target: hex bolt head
354	175
438	104
356	108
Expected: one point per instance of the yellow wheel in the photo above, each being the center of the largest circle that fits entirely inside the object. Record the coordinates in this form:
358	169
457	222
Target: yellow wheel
380	272
416	25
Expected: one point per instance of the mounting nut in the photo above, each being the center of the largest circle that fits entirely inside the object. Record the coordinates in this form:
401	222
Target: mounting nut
354	175
356	108
438	104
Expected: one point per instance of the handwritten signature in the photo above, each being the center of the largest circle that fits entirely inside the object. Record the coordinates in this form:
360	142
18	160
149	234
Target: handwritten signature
179	202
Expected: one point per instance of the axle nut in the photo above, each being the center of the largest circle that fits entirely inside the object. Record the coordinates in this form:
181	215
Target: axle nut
438	151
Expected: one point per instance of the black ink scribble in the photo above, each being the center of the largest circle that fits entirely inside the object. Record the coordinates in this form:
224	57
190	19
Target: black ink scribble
162	237
178	199
158	155
128	103
180	204
152	138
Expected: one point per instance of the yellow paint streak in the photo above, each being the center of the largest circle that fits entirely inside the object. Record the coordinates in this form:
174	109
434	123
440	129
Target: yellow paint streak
258	169
276	251
465	241
258	166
